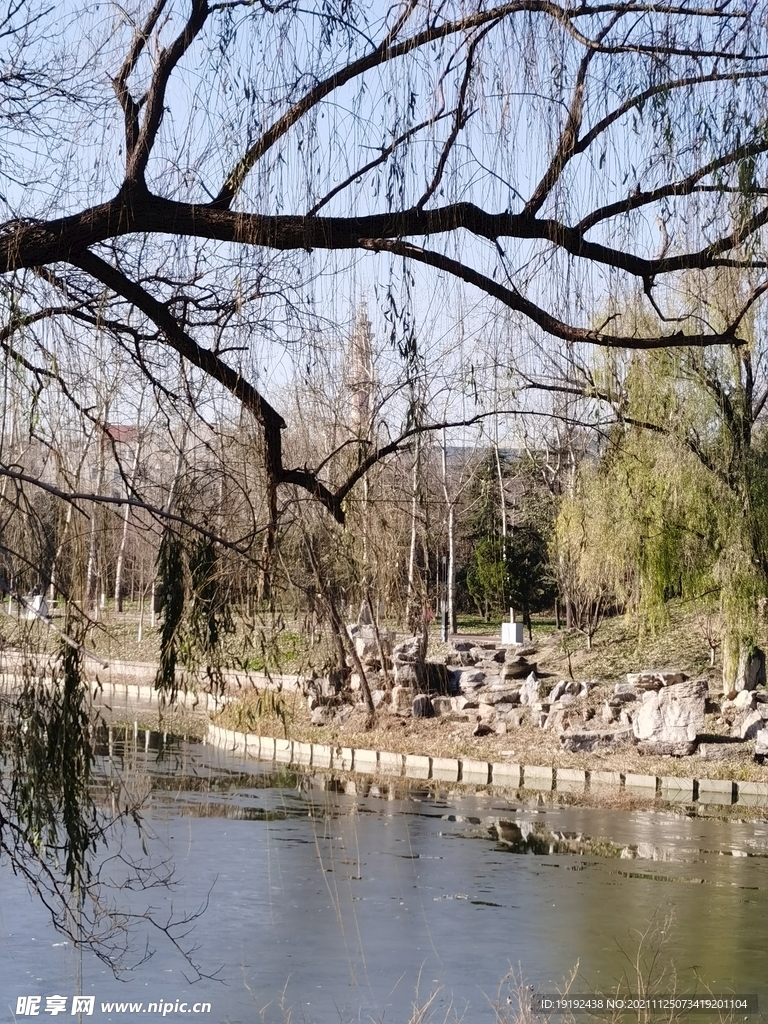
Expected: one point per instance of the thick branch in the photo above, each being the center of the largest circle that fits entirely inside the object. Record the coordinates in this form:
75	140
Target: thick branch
169	58
36	243
557	328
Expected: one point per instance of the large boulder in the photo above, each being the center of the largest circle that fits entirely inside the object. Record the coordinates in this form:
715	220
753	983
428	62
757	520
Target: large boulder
367	649
322	715
442	705
745	700
719	750
751	671
674	714
472	680
409	675
558	720
461	703
530	691
501	693
401	699
462	645
557	690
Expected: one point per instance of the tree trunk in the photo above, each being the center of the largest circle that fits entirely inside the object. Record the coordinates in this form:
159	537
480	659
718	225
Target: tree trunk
91	576
124	532
410	593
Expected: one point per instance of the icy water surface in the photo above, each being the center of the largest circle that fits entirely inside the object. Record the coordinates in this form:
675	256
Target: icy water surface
327	905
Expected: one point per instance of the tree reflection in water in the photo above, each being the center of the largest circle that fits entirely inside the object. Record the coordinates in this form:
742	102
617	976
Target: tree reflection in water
63	827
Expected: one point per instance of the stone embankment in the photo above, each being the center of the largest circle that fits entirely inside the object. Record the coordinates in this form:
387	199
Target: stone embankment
501	775
498	689
135	681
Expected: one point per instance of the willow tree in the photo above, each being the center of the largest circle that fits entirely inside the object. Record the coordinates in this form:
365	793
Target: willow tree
685	464
197	181
194	172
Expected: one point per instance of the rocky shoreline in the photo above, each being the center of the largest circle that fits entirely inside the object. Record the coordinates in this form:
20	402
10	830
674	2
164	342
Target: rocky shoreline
499	689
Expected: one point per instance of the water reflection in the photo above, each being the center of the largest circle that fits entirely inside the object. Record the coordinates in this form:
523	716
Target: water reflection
336	903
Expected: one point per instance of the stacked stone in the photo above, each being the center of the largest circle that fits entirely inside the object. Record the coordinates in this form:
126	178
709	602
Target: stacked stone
410	679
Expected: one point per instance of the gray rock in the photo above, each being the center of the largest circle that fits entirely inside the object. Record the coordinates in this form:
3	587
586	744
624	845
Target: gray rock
489	665
557	720
408	651
471	680
408	675
761	743
718	751
401	699
745	699
674	714
751	671
461	703
443	705
478	653
604	739
517	668
655	679
558	690
683	748
486	711
750	725
502	709
367	649
515	718
421	707
625	697
530	690
378	697
322	715
500	728
609	713
626	691
500	694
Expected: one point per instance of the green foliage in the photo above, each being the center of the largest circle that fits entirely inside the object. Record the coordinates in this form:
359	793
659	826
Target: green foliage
678	504
195	609
485	520
530	581
515	573
51	756
172	587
